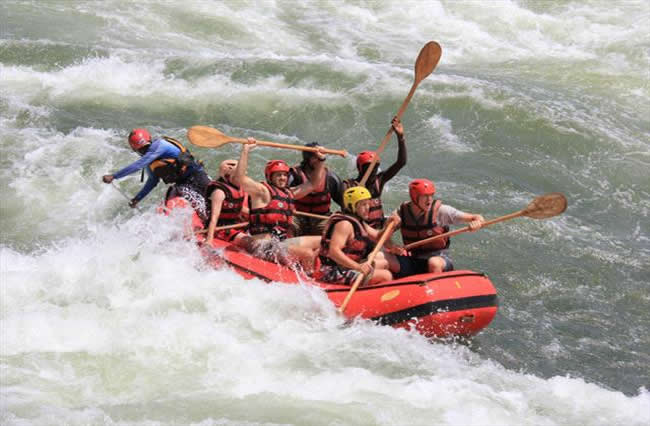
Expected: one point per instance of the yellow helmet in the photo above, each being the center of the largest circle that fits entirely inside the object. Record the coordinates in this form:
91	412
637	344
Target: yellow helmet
353	195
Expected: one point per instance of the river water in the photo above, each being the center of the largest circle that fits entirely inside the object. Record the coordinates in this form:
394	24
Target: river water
107	316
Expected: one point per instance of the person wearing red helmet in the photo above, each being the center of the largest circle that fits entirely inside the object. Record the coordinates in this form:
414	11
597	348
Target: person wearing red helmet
319	200
167	159
377	180
424	217
272	204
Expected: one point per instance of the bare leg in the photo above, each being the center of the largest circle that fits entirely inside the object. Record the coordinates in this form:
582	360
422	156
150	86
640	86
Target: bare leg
391	262
311	242
379	276
436	264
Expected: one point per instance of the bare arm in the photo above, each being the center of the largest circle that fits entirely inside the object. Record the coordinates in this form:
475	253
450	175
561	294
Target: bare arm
302	190
375	234
342	232
475	221
307	187
217	201
254	189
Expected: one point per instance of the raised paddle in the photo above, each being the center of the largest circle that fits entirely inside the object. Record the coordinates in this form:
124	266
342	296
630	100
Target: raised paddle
542	207
424	65
209	137
387	233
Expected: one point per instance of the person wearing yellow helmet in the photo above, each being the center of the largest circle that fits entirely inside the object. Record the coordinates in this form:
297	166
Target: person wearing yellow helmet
347	241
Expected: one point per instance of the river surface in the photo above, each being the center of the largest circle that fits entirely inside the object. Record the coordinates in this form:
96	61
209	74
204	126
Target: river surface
108	316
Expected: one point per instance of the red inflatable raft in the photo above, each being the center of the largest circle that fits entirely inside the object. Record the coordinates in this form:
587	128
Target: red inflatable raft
456	303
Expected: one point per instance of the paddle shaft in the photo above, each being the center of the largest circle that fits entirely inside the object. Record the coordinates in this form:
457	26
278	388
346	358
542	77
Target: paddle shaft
342	153
315	216
465	229
124	195
384	142
223	228
243	224
387	233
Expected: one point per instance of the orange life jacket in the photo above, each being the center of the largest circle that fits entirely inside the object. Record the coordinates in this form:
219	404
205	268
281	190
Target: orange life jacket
232	204
376	217
416	230
276	217
356	249
318	201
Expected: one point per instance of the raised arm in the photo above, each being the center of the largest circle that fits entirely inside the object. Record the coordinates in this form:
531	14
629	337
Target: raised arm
254	189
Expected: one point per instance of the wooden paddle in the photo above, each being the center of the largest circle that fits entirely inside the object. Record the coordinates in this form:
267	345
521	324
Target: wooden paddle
424	65
223	228
315	216
126	197
209	137
542	207
243	224
387	233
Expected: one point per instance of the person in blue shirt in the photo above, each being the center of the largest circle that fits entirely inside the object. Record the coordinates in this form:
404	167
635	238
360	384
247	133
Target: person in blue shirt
167	159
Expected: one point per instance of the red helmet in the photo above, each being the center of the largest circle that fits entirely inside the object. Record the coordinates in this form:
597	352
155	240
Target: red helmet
366	157
420	187
139	138
274	166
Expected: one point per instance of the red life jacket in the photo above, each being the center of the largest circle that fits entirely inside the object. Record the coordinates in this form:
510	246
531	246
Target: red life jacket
276	216
376	217
357	249
232	204
318	201
415	230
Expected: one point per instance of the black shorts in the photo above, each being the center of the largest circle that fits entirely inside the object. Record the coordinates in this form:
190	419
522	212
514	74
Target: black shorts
336	275
409	265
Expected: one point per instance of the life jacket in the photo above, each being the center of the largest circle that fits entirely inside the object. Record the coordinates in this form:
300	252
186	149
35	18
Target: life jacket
172	170
414	230
232	204
318	201
357	249
376	217
276	217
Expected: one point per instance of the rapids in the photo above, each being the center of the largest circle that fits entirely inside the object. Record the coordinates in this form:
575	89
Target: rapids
107	316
